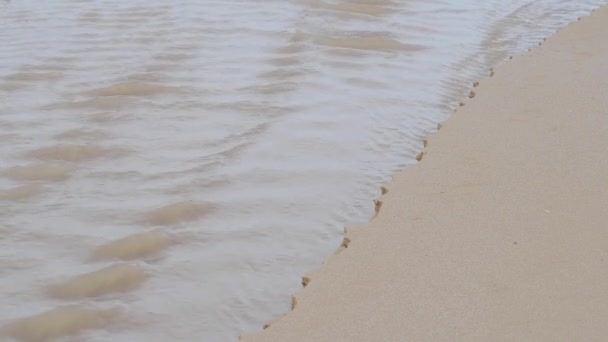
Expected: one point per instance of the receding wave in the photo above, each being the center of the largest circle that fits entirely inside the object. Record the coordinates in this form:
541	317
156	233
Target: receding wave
189	161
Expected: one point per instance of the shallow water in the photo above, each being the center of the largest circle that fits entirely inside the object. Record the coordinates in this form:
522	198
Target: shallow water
168	172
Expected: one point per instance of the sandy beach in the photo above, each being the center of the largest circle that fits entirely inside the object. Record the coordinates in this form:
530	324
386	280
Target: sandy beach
500	232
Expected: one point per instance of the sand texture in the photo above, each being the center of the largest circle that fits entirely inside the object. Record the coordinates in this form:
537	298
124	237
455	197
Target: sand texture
500	233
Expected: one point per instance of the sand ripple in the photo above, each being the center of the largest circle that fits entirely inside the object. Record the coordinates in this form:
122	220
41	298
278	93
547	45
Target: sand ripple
133	89
177	212
59	322
38	172
115	278
137	246
21	193
76	153
378	43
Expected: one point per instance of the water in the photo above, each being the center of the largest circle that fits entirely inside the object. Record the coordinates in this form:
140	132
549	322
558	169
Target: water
169	170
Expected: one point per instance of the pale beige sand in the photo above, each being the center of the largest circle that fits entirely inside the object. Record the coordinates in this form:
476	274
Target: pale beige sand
501	232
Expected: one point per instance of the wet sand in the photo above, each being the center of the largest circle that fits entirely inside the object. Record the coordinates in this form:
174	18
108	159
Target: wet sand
499	233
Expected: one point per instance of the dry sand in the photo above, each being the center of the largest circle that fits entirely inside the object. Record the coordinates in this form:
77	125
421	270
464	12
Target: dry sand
501	232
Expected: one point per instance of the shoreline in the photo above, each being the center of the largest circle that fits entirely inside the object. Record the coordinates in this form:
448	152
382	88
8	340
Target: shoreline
498	232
